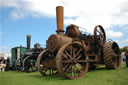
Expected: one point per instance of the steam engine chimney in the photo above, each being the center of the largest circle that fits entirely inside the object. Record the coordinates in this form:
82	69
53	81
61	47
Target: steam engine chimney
59	18
28	42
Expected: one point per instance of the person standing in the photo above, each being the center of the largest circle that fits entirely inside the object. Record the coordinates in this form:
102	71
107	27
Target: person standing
2	60
2	66
7	64
126	54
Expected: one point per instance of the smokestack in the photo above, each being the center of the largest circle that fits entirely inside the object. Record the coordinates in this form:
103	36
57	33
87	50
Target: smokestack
28	42
59	18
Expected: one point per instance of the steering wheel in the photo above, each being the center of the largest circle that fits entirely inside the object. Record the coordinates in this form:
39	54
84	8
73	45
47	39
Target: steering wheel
99	34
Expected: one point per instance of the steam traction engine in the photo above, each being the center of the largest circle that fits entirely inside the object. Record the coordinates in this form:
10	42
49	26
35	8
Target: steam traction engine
28	61
71	53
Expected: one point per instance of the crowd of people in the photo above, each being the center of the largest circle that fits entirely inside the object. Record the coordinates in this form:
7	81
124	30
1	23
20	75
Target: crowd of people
5	64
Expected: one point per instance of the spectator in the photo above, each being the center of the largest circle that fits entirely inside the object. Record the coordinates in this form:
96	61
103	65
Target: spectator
3	60
0	59
126	54
123	56
7	64
124	59
2	66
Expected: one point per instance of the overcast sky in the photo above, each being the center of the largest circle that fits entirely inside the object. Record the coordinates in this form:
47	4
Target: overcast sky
38	18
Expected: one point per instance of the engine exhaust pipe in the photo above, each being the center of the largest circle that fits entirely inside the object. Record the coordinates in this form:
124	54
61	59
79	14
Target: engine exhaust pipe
59	19
28	42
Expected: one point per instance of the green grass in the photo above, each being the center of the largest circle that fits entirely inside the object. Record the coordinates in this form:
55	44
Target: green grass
100	76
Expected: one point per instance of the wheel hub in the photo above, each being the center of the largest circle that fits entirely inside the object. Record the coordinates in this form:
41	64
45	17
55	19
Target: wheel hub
74	61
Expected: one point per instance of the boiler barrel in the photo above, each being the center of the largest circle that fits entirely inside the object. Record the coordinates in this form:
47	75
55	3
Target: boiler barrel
54	42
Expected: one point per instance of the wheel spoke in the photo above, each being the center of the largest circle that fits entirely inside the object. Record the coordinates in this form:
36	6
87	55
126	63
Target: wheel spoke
74	71
66	66
71	50
82	61
28	61
78	52
79	67
80	70
69	68
102	34
98	31
66	61
115	49
74	53
78	57
68	54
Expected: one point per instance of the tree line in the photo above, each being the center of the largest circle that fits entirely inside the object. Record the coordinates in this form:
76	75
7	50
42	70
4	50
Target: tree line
123	49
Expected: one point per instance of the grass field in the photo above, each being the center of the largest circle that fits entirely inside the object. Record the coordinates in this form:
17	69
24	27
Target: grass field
100	76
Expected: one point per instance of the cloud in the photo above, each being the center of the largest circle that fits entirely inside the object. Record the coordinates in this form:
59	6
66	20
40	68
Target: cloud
125	27
5	55
5	49
113	34
14	3
87	13
36	8
122	43
125	41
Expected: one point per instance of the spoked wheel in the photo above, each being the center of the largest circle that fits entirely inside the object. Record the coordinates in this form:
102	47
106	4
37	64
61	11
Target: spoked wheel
29	64
46	66
112	55
99	34
18	65
71	61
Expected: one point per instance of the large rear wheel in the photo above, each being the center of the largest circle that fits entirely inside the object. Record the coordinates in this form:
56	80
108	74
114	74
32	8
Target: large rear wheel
112	56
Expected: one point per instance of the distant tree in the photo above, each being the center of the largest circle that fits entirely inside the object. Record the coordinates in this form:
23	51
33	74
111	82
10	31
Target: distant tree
123	49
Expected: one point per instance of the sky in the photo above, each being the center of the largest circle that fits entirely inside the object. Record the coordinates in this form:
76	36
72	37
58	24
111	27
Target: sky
37	18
